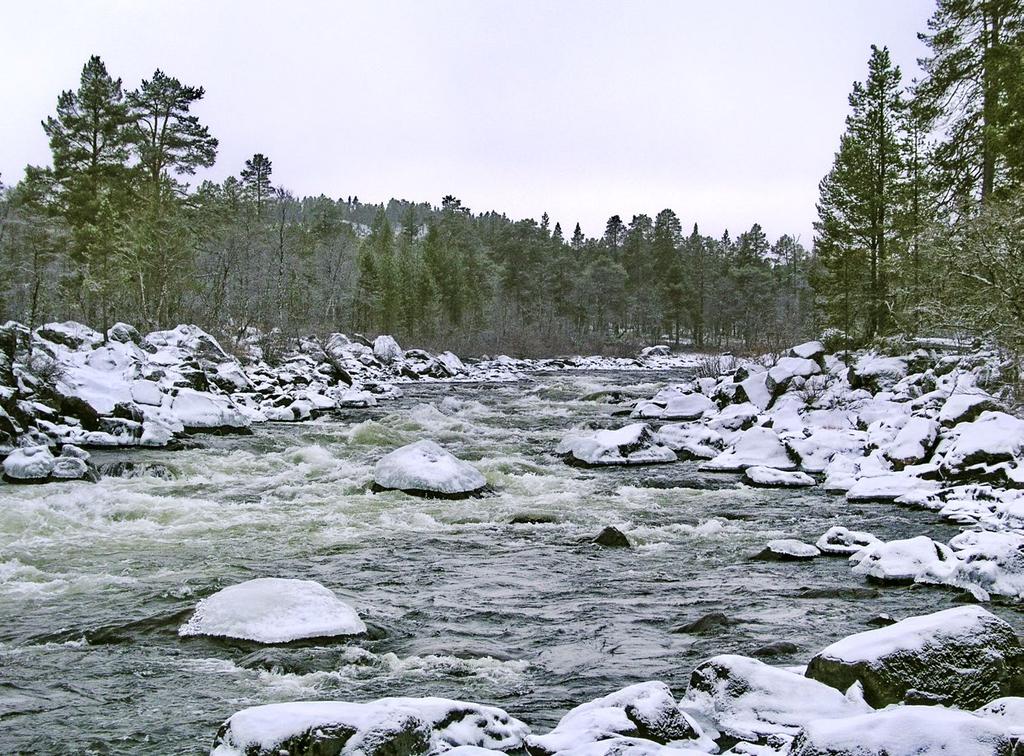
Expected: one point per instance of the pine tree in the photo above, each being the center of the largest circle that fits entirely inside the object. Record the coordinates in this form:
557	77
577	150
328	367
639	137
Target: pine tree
860	202
89	141
256	179
974	67
578	239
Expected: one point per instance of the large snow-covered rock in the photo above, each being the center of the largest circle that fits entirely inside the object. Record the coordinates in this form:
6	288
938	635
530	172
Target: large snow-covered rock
273	610
877	373
386	349
994	437
757	446
748	699
904	731
388	727
424	468
966	407
688	407
200	410
991	561
634	444
963	656
914	442
646	711
906	560
785	370
691	440
841	541
889	487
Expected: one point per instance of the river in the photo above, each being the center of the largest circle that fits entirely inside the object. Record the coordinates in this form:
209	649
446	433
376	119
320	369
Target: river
462	602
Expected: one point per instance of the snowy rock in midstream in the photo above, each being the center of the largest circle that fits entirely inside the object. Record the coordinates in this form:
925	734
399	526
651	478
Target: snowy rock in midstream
769	477
840	541
273	610
646	711
905	731
962	657
749	700
351	397
757	446
634	444
394	726
28	464
691	440
788	550
907	560
423	468
994	437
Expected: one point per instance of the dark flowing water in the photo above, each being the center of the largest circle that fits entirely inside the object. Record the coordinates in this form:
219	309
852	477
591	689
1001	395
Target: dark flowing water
96	579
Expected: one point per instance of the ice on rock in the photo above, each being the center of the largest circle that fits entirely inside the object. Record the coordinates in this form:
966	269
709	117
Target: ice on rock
789	549
646	711
425	469
840	541
387	726
769	477
28	464
69	468
634	444
904	731
748	699
756	446
273	610
906	560
963	656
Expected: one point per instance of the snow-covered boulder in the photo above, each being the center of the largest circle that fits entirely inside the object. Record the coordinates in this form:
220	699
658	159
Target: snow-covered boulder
906	560
770	477
809	350
386	349
817	449
354	398
963	657
735	417
748	699
634	444
390	726
904	731
28	464
1007	711
424	468
756	446
889	487
273	610
966	407
990	560
876	373
688	407
203	411
914	442
785	370
647	711
994	437
840	541
788	550
754	389
691	440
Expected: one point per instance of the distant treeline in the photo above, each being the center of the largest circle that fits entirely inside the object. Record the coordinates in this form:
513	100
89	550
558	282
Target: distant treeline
920	228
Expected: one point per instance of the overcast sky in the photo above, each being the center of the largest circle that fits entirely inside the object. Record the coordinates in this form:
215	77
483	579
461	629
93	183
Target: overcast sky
728	112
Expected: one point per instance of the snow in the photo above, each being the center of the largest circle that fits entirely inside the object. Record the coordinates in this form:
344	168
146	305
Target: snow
842	541
889	487
425	467
688	407
273	610
386	349
960	407
198	409
788	368
69	468
790	548
1008	711
634	444
917	559
769	477
991	561
817	449
748	699
904	731
809	350
756	391
692	439
440	723
756	446
29	463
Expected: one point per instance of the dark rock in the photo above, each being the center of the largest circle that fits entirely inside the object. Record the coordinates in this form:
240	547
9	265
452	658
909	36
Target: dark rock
532	519
851	593
131	469
714	622
776	648
613	538
881	620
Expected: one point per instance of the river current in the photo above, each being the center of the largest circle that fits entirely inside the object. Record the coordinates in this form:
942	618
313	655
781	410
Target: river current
500	600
